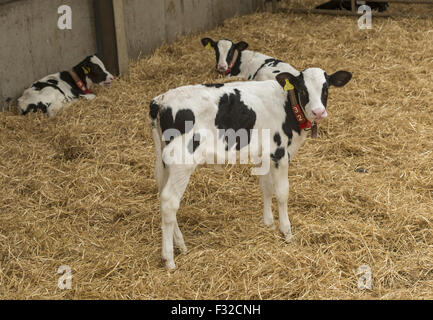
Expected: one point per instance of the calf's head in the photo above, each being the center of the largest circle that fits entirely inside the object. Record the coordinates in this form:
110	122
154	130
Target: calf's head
93	71
224	51
311	89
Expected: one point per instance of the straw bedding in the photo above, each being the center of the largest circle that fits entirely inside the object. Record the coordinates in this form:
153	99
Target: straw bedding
78	189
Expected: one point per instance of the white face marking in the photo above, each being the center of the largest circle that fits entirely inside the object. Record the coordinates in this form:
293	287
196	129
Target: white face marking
314	79
224	47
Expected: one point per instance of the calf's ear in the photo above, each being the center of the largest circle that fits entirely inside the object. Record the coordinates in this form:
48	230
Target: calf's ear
241	46
208	42
293	80
340	78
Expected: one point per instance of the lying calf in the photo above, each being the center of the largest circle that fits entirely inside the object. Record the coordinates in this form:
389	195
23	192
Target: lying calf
232	59
347	5
193	125
52	92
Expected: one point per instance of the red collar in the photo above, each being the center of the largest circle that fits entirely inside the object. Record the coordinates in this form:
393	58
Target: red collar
80	84
300	115
232	64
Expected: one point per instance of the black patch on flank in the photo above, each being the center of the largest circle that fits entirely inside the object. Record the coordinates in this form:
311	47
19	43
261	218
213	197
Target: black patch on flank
277	156
271	62
35	107
234	114
214	85
194	143
324	96
39	86
277	139
179	123
182	116
66	77
154	110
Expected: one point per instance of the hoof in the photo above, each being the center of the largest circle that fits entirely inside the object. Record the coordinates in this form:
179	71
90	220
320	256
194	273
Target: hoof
289	238
170	265
183	248
271	225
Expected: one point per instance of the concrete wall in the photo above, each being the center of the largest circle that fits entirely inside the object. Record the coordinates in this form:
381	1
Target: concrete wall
32	46
152	22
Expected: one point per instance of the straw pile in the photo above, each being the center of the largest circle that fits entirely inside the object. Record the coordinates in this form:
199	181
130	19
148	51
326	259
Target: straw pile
78	189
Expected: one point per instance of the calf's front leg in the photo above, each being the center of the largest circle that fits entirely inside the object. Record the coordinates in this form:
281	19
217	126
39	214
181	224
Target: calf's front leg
280	173
267	188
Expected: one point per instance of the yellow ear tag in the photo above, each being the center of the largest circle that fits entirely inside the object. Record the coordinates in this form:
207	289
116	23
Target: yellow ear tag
86	70
288	86
208	46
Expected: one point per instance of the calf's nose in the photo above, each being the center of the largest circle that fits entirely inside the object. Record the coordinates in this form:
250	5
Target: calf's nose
222	67
319	113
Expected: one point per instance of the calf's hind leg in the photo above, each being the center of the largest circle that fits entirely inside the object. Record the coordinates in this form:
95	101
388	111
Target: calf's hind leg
178	238
171	195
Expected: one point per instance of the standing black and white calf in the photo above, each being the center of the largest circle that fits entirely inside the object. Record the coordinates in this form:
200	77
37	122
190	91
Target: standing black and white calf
232	59
51	93
193	125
